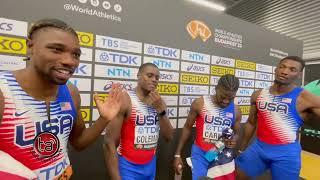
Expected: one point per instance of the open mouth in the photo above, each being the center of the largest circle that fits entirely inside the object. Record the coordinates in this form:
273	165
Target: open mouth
63	73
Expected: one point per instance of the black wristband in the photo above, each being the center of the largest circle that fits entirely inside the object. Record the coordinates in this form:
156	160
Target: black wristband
163	113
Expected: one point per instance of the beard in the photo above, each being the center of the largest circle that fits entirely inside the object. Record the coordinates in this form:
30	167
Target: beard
281	82
51	78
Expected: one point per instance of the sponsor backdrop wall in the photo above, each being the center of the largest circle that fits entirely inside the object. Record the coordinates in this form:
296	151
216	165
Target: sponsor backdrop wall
191	45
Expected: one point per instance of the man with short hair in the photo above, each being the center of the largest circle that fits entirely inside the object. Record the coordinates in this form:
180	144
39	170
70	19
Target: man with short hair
277	112
131	139
40	114
212	115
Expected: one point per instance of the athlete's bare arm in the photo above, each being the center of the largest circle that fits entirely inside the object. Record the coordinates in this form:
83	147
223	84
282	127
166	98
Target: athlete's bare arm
308	106
112	139
166	129
251	124
232	143
195	110
1	106
81	136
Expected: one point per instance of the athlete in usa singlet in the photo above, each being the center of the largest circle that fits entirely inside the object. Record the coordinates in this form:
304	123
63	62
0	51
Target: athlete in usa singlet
276	147
278	119
138	141
31	135
209	126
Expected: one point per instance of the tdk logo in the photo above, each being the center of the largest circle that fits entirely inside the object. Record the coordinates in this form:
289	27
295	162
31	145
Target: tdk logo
118	72
119	58
246	83
162	51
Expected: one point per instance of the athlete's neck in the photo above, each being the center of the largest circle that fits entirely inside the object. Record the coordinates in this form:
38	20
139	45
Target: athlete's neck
280	89
35	85
142	94
215	100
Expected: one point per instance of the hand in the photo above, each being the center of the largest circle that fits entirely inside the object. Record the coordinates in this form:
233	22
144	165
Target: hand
109	108
178	165
156	101
231	143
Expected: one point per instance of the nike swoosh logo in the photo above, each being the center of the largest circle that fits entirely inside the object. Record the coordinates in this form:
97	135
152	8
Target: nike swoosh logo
17	114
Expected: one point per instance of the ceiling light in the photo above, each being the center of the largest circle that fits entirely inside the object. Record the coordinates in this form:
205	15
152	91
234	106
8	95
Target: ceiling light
208	4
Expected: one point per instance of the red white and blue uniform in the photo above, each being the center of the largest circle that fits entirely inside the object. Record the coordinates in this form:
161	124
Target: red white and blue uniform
276	147
210	123
138	141
25	117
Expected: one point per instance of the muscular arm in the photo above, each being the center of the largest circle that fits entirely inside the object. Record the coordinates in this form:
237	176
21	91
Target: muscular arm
166	128
81	136
1	106
309	106
111	141
236	127
186	131
250	125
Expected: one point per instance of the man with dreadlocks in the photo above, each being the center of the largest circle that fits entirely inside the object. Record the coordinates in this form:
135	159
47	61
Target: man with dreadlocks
212	114
40	113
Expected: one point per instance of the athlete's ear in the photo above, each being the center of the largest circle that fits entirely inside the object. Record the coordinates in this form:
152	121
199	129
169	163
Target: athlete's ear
29	44
300	74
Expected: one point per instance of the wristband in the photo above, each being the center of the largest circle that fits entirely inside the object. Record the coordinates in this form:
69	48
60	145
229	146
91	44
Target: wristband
163	113
177	156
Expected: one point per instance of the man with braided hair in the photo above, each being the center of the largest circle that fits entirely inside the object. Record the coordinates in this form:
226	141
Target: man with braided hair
40	113
212	114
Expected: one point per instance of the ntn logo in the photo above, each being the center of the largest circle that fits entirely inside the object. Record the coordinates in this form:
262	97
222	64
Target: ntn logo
162	63
119	72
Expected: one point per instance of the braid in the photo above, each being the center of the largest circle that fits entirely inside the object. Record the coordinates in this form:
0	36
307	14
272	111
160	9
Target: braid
55	23
229	82
45	23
